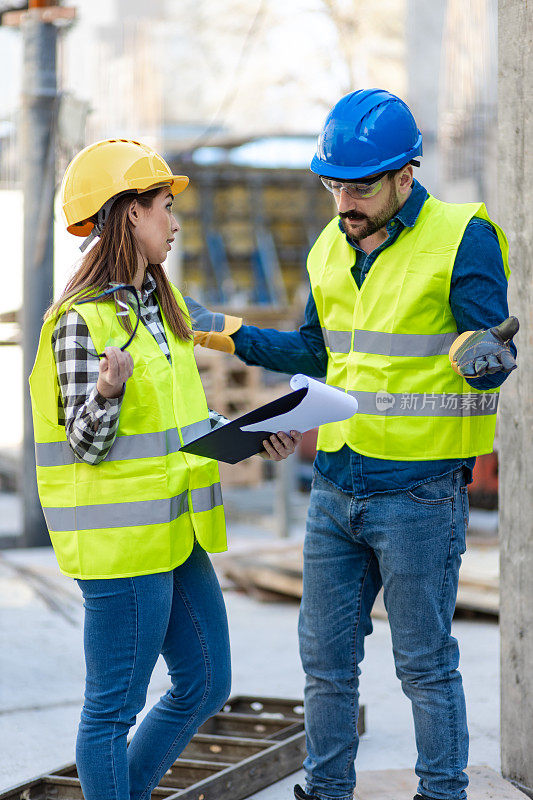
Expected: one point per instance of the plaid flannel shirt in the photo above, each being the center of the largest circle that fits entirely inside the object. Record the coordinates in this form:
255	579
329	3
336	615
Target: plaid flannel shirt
91	420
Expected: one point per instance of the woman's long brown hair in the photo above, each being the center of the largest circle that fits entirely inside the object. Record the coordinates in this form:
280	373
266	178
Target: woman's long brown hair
113	259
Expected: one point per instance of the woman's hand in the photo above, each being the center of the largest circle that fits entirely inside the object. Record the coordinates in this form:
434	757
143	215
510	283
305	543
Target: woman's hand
280	446
114	371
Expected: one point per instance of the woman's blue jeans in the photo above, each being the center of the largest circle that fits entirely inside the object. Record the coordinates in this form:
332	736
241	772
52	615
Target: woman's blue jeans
128	623
411	543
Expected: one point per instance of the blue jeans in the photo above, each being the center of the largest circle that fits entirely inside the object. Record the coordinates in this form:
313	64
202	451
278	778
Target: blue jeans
128	623
410	542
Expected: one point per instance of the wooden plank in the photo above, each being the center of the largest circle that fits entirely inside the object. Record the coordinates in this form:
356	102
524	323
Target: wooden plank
271	578
289	709
223	748
400	784
251	726
278	570
64	788
480	599
481	566
248	704
186	772
31	790
251	775
240	740
287	732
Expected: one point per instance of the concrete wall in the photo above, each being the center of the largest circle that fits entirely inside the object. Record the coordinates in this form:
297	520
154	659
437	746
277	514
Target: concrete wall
515	181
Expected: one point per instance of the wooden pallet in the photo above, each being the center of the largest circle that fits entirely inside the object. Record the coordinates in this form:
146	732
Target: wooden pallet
236	201
229	384
479	579
277	569
252	743
400	784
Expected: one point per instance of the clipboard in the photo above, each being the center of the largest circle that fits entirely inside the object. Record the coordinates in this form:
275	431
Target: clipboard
231	444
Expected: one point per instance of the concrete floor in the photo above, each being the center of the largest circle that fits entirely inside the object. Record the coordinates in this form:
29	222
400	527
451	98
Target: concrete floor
42	671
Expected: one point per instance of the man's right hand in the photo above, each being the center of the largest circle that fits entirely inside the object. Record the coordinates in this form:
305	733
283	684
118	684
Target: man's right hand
114	371
212	329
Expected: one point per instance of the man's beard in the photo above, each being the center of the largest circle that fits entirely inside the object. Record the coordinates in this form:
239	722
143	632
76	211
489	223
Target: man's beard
369	225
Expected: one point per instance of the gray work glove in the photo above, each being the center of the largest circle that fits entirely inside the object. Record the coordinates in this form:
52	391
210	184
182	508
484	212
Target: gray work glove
478	353
211	328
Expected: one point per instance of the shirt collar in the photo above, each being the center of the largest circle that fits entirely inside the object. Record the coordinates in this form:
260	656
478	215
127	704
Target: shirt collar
409	212
148	286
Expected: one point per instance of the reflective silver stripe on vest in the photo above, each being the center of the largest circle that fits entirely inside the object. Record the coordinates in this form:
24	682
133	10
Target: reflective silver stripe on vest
427	404
53	454
124	448
122	515
195	430
337	341
144	445
408	345
206	498
415	345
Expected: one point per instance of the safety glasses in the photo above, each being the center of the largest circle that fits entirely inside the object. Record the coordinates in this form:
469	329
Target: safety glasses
124	311
355	189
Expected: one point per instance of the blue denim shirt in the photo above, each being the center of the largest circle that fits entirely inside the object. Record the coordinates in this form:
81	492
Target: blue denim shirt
478	299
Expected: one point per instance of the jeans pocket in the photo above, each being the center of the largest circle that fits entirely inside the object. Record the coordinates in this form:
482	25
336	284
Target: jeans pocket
433	492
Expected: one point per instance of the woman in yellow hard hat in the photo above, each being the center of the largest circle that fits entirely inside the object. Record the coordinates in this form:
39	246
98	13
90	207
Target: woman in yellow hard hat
115	394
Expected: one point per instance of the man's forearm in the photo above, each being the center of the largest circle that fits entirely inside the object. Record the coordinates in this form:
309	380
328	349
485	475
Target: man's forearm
478	292
286	351
280	351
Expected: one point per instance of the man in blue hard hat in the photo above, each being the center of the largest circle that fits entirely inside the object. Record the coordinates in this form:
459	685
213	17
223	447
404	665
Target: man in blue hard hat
408	312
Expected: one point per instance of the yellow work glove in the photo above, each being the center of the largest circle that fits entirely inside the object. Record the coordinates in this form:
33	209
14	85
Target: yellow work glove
212	329
477	353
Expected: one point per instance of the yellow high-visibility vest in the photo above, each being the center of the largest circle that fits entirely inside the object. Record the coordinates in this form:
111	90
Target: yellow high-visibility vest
388	342
139	510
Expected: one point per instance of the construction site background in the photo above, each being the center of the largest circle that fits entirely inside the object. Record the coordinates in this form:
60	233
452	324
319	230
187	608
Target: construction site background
234	96
241	119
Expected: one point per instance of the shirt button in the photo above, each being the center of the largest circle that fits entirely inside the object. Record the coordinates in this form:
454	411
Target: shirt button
393	223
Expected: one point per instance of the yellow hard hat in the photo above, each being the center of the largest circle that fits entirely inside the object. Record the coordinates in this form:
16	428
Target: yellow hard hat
105	169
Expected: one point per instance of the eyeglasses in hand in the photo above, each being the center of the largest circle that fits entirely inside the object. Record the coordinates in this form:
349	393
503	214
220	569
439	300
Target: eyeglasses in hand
124	312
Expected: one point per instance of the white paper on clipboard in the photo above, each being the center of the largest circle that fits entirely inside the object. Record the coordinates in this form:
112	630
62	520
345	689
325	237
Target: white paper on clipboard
321	404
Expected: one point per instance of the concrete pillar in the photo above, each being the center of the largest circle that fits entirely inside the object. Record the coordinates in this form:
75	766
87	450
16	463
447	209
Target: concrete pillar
515	182
39	111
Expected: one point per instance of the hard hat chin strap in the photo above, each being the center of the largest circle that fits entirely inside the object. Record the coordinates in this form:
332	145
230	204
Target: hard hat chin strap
88	239
101	219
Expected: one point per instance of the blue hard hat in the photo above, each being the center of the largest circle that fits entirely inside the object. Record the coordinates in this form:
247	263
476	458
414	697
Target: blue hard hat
366	132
